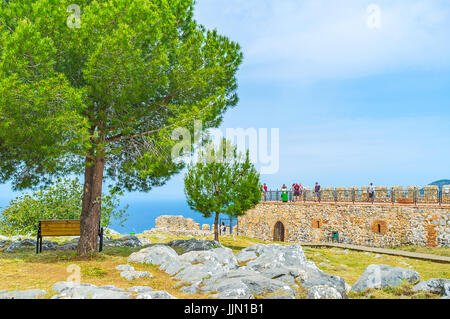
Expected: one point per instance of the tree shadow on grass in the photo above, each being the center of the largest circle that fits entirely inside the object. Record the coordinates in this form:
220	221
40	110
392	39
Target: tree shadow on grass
52	256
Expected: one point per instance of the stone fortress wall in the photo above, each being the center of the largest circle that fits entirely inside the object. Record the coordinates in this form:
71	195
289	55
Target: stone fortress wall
180	226
387	222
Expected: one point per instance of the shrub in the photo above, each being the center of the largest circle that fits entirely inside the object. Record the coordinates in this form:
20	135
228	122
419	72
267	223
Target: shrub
59	201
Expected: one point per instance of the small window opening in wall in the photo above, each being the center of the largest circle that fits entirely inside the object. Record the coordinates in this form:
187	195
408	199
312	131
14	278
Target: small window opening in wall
379	228
318	224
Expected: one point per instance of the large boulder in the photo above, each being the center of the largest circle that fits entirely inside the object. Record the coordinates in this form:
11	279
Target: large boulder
155	295
323	292
288	264
222	257
197	265
125	268
162	255
4	243
316	277
68	246
244	256
154	255
195	244
446	291
382	276
125	241
196	273
276	255
140	289
71	290
243	283
20	244
22	294
434	285
134	274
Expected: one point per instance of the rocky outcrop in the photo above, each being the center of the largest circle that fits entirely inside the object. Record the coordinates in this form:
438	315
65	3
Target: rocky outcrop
446	291
22	294
22	244
434	285
70	290
4	243
140	289
134	274
382	276
18	244
271	271
323	292
195	244
125	241
156	255
155	295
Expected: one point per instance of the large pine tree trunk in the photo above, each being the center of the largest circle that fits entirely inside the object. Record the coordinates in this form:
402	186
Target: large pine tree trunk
216	227
91	206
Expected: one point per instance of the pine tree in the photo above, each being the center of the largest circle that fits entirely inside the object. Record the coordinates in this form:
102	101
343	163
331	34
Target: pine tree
222	181
101	96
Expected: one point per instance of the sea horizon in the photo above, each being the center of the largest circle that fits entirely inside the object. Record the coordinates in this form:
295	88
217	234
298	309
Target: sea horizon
143	213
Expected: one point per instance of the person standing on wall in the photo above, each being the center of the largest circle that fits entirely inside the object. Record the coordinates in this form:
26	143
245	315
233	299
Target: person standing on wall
371	191
292	192
265	191
296	192
317	189
284	194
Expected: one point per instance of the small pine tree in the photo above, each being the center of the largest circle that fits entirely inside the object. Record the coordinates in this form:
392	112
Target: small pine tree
222	181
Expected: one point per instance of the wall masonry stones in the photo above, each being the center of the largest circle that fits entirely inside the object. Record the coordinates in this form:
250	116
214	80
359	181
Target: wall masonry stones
376	225
179	226
176	223
446	194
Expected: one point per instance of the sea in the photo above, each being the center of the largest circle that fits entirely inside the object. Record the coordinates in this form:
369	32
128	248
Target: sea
143	213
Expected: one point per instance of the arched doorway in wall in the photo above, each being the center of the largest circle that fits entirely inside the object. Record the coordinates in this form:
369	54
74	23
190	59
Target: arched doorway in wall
278	232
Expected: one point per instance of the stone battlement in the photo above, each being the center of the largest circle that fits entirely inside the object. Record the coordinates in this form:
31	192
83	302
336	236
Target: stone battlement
383	194
179	226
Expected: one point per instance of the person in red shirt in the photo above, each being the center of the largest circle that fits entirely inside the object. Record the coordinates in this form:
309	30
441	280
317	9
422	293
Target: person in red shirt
296	192
265	191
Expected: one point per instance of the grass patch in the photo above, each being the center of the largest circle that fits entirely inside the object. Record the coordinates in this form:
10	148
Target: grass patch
352	264
440	251
27	270
404	291
97	272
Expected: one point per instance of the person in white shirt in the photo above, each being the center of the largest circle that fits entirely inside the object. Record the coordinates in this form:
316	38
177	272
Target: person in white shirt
371	191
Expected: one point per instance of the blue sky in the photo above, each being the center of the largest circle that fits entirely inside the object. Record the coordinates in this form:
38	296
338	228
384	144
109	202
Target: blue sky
353	104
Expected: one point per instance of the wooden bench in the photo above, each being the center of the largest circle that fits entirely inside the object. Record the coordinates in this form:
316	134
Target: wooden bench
56	228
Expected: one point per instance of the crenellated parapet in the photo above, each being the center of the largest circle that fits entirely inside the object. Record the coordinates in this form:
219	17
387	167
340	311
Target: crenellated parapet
429	194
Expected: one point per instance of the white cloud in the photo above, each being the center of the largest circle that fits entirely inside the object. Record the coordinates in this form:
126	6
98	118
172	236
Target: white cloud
318	39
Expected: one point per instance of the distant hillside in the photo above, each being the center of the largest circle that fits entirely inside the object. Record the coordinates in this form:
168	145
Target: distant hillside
441	183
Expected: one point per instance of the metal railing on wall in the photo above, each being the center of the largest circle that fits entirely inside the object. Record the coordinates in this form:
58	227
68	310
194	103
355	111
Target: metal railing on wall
410	196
